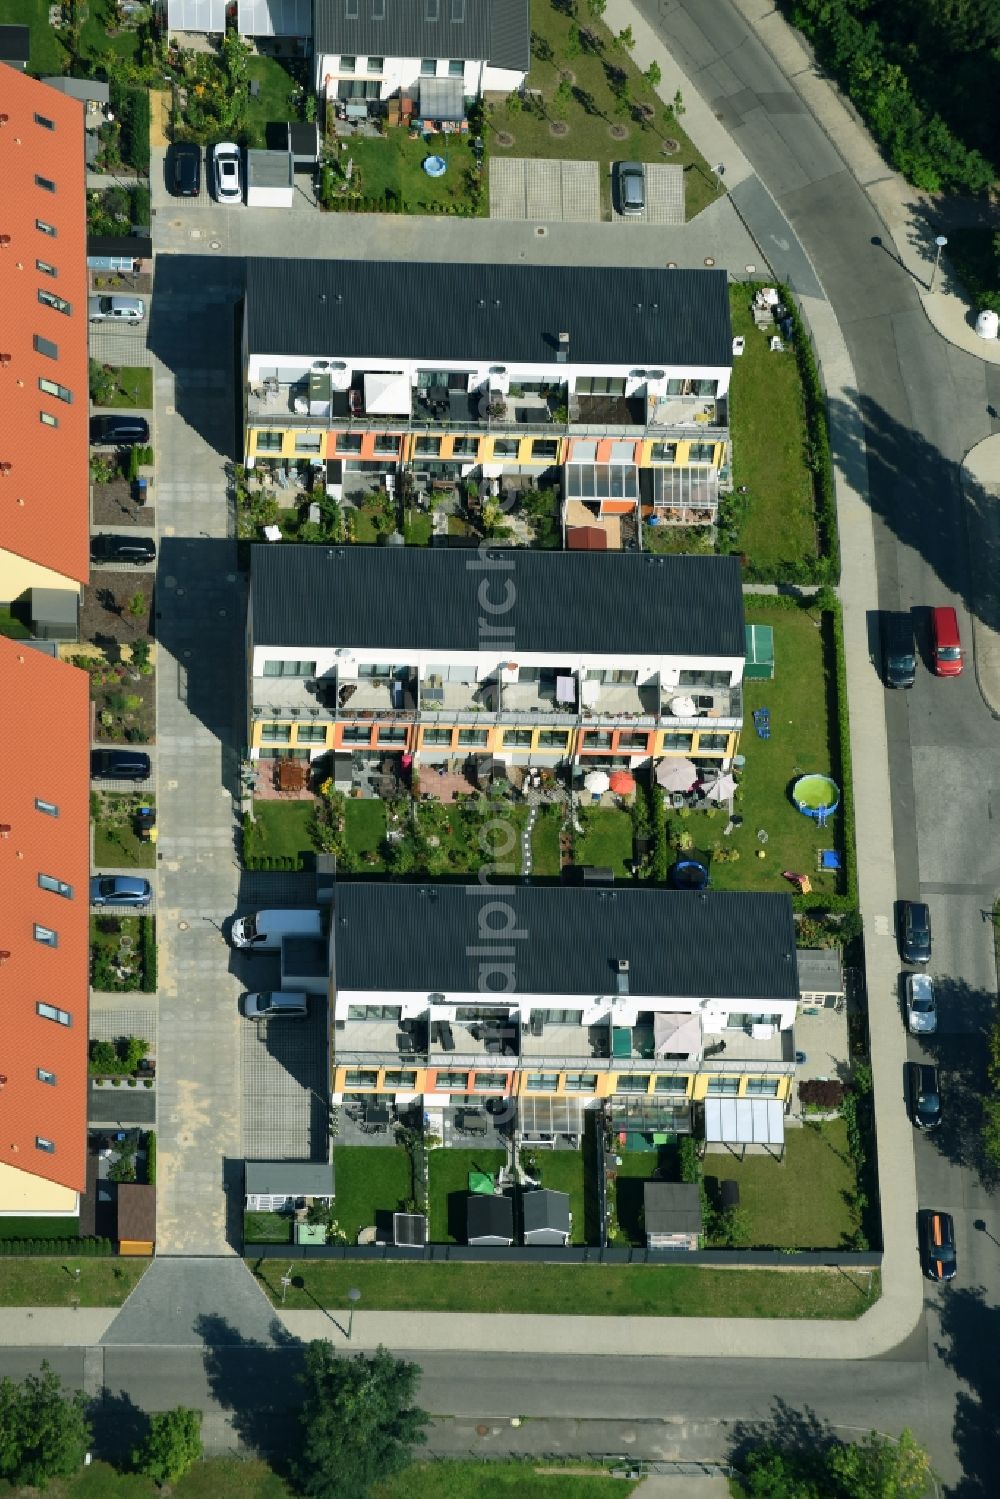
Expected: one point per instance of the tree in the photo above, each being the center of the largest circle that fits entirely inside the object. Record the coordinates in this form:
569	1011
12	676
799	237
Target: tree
172	1445
625	39
43	1433
596	8
358	1422
654	74
879	1468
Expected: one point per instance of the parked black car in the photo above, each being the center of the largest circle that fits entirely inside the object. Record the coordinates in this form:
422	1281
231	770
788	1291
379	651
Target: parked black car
937	1245
118	431
924	1092
914	931
899	652
119	765
185	170
106	548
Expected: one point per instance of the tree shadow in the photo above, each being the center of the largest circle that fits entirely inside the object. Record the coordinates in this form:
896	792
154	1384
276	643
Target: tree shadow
797	1433
119	1427
961	1058
970	1329
256	1385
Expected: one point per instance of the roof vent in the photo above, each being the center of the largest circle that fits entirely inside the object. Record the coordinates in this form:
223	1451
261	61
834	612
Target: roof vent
4	829
4	240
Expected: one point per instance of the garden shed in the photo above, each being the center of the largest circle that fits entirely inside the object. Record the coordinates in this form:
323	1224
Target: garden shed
136	1232
270	179
276	1186
759	653
546	1217
672	1214
489	1220
303	143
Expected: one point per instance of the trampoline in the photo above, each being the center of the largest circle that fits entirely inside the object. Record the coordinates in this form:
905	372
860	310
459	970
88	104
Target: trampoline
816	796
688	874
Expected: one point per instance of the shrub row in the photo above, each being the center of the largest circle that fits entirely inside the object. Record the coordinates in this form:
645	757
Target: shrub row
132	108
254	860
148	937
64	1248
824	1093
151	1158
392	203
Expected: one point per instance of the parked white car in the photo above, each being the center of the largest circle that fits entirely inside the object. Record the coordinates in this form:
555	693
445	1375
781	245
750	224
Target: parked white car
226	172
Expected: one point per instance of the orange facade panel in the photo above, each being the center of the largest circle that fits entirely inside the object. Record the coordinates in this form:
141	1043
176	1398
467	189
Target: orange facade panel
44	393
44	915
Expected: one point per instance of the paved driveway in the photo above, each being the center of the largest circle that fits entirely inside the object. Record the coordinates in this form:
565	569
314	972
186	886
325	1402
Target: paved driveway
284	1081
523	188
664	197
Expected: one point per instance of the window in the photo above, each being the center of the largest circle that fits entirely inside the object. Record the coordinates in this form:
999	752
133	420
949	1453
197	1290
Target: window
596	739
762	1087
428	67
701	452
348	442
428	447
357	733
57	887
490	1082
600	387
505	447
47	419
45	1076
453	1080
709	743
45	268
390	1013
395	735
45	182
289	668
473	736
558	1017
361	1078
47	1145
52	388
387	446
375	670
45	346
49	299
663	452
737	1021
312	733
276	733
309	442
45	122
729	1085
706	387
465	447
632	1082
400	1079
703	679
437	736
543	1082
514	737
581	1082
474	1014
630	741
269	442
347	63
46	935
556	739
456	67
680	742
544	447
375	64
51	1012
49	808
671	1082
44	228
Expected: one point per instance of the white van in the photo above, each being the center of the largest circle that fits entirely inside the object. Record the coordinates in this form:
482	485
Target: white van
263	931
272	1005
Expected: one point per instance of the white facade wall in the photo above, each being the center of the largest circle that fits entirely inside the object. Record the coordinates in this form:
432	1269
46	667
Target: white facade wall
404	73
480	665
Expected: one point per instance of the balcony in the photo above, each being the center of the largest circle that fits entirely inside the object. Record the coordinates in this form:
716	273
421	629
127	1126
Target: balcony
688	412
613	413
565	1045
279	697
376	697
622	700
742	1052
551	692
442	699
454	1041
387	1043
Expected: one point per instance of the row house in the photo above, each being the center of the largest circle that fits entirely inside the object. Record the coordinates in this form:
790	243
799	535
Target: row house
607	384
654	999
524	657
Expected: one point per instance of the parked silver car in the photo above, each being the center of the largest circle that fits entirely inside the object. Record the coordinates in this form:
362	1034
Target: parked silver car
631	181
921	1006
116	309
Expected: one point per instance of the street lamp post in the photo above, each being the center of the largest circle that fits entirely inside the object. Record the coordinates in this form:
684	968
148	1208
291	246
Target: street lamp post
940	242
353	1296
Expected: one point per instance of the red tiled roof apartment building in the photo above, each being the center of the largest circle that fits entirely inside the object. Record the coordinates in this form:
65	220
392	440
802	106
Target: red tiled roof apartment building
44	458
44	930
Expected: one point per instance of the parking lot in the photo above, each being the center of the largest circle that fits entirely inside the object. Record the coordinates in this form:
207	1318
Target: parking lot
283	1079
556	191
664	187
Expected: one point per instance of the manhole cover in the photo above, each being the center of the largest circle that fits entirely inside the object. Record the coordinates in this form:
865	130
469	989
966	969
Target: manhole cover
482	1431
541	231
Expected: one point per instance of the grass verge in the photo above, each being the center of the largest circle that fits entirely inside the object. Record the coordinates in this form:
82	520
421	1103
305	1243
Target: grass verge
518	1480
52	1282
133	387
117	845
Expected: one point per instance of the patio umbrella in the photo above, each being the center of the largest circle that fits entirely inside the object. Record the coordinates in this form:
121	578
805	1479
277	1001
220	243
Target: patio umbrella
682	706
622	782
676	774
721	789
597	781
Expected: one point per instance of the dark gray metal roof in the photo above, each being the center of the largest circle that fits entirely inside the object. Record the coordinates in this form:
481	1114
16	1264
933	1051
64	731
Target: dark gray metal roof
418	598
481	30
545	1211
293	1178
635	315
672	1207
489	1218
719	944
15	43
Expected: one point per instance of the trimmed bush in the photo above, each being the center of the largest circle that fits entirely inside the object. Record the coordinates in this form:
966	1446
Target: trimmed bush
151	1158
148	939
821	1093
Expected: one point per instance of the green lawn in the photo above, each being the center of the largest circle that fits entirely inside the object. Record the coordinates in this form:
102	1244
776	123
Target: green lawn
418	528
506	1480
108	954
448	1186
365	827
215	1478
116	842
285	827
562	1171
37	1281
767	421
800	1202
576	1290
39	1228
606	840
12	627
133	387
267	1228
592	110
800	741
637	1167
372	1182
274	104
545	857
394	164
48	55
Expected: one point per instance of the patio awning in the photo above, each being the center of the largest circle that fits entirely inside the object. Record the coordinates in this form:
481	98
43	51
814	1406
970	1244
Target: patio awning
442	98
744	1121
387	394
601	481
541	1115
677	1035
